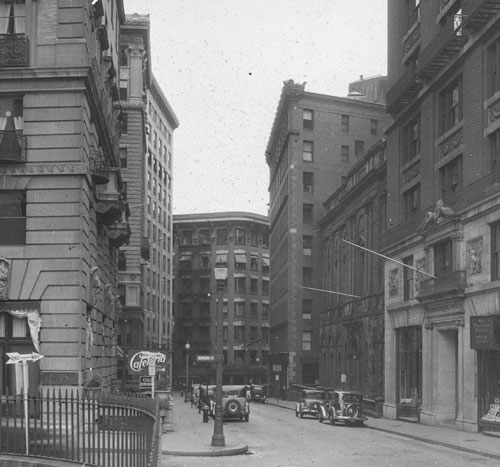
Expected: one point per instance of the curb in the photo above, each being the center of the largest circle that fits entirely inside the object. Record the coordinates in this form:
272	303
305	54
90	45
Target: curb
233	451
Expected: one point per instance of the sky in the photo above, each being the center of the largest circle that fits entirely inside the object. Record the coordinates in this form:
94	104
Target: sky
222	63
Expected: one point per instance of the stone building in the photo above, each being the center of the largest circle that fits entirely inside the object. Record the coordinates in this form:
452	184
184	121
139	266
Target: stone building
239	243
442	358
62	213
314	141
352	295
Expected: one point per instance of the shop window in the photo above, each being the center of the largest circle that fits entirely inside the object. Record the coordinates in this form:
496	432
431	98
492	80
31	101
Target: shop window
307	151
308	119
450	106
12	217
451	177
489	386
411	139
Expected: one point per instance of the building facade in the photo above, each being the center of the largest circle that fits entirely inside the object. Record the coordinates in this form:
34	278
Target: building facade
315	140
239	243
352	313
146	151
442	358
63	216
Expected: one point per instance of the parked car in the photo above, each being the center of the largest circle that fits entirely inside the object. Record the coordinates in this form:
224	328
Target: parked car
258	394
234	403
346	407
309	403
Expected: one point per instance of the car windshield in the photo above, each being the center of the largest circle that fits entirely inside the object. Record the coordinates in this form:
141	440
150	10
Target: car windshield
352	398
314	395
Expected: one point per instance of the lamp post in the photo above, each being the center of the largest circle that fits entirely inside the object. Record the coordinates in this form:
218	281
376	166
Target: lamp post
218	435
187	346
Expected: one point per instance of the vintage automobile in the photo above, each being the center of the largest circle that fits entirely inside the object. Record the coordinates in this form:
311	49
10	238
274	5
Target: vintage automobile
258	394
345	406
234	403
309	403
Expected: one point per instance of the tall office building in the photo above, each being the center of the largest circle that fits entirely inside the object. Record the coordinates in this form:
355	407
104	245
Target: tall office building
314	141
442	363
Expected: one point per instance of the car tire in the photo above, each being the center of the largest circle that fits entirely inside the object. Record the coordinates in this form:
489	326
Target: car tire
232	407
320	418
301	414
331	419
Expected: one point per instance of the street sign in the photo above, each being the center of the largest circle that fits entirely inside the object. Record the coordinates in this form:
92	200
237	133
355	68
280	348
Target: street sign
205	358
15	357
277	368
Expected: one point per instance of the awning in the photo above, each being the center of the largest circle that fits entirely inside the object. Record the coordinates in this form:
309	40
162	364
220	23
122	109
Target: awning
240	258
265	261
221	259
186	256
30	311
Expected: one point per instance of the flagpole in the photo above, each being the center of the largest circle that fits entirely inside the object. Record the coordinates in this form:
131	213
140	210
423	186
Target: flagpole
390	259
330	291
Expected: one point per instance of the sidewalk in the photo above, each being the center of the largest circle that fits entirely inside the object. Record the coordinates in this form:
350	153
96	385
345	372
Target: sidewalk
189	436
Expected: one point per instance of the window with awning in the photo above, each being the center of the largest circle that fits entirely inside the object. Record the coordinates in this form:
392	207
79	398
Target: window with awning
221	259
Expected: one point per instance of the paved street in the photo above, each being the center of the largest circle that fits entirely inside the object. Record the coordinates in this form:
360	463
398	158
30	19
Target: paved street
276	438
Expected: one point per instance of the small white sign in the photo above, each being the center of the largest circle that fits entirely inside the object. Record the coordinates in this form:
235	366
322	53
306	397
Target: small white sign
152	367
15	357
343	378
277	368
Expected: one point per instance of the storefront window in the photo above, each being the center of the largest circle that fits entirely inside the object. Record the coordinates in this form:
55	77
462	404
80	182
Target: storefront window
409	371
489	386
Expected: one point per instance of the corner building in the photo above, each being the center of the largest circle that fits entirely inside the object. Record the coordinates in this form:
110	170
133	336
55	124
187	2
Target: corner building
442	358
239	242
314	141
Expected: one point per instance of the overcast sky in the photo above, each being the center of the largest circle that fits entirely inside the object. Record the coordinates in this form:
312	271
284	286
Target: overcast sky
222	63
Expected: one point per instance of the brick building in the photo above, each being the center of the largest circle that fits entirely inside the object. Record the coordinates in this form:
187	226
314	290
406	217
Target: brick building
314	141
239	242
442	363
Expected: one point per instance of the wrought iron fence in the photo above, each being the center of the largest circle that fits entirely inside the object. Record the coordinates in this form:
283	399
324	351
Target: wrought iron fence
95	430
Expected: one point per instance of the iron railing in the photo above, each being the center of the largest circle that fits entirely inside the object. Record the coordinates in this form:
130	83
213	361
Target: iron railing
14	50
95	430
99	167
454	281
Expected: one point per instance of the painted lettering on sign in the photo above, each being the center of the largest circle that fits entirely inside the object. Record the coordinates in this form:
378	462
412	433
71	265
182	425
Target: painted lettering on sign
140	360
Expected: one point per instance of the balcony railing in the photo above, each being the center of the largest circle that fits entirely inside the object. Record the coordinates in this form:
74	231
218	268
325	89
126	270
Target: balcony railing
14	50
446	283
99	167
403	91
441	49
478	12
12	147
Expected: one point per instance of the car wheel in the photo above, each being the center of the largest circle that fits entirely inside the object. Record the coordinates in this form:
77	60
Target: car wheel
320	418
247	417
331	419
233	407
301	414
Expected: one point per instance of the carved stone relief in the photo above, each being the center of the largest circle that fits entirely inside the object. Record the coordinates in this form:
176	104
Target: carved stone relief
474	256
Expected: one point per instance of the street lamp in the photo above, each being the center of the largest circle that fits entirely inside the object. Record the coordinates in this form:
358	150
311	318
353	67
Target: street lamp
218	436
187	346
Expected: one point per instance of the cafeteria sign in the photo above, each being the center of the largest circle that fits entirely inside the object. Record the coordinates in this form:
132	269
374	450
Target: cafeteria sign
139	361
485	332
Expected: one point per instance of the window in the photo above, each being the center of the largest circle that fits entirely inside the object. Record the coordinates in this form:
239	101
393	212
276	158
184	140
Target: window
359	148
239	333
442	258
412	12
186	237
307	181
204	284
495	252
493	68
123	89
344	154
123	158
239	309
307	277
307	308
344	123
450	106
222	236
450	177
307	121
306	340
221	260
411	201
254	237
123	123
494	143
307	241
254	309
307	213
411	139
12	18
307	151
265	266
254	285
265	287
239	284
265	310
204	235
254	335
240	261
12	143
204	261
12	217
374	126
254	265
240	236
123	59
265	239
122	261
408	274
